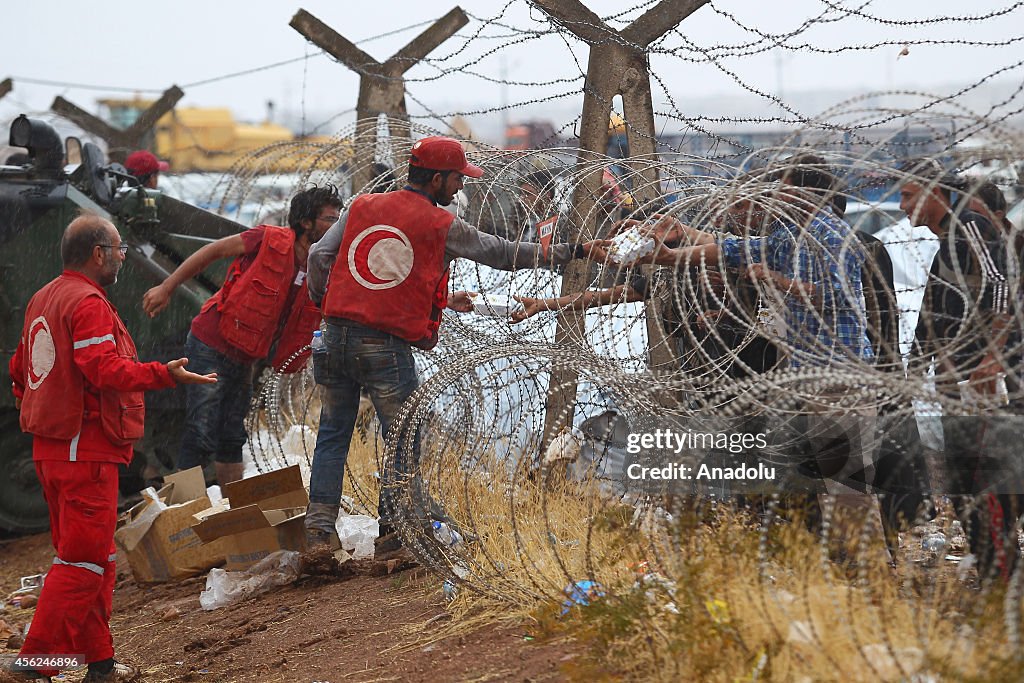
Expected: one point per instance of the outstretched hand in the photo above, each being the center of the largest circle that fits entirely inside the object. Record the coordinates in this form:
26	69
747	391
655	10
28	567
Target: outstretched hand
661	228
596	250
531	307
156	300
460	301
183	376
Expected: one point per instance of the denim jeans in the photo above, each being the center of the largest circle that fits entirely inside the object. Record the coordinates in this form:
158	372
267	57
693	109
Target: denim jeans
214	413
359	357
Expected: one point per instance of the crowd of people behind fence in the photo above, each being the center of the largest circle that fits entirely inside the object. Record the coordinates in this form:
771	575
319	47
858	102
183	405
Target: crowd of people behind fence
779	248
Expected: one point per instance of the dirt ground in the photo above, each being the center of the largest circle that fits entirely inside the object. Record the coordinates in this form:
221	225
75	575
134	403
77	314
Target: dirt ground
360	630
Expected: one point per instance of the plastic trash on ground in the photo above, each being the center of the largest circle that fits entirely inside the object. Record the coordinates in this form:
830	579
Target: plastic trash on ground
224	588
935	542
357	533
450	538
446	535
299	442
215	495
580	593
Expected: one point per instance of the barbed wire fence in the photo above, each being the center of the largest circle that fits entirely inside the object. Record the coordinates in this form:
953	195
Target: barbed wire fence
804	575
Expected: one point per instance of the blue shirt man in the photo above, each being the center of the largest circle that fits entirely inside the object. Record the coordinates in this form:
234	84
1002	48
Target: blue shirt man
819	265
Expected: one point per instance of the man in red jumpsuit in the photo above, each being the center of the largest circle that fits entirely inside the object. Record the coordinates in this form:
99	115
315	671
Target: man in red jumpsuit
79	386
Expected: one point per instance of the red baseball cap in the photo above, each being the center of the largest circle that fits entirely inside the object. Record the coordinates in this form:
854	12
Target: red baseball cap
442	154
142	162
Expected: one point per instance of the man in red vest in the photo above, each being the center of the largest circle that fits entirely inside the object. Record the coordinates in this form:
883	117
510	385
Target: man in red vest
261	313
388	259
79	386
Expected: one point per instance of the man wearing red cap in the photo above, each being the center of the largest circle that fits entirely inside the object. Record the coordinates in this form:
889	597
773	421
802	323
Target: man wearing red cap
387	259
146	167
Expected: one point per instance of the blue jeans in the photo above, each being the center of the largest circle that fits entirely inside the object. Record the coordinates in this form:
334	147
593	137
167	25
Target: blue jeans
359	357
214	413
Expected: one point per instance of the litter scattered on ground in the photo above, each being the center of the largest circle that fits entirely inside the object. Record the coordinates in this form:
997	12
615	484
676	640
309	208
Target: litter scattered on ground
800	633
225	588
893	664
357	534
935	542
580	594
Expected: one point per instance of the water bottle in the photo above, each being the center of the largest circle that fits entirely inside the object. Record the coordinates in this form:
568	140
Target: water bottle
317	344
446	535
935	542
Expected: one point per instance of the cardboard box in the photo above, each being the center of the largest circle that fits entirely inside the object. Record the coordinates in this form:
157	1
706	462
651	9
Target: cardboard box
271	491
268	513
157	537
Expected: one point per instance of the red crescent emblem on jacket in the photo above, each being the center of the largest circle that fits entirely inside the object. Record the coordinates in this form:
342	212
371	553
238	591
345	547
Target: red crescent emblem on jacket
380	257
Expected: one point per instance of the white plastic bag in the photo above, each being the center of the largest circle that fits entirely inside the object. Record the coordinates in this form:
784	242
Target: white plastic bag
214	494
132	533
357	533
225	588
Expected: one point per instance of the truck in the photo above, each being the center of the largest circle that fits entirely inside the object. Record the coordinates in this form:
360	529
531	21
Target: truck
37	201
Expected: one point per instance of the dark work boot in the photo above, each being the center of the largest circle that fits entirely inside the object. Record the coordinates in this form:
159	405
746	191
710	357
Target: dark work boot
118	672
320	523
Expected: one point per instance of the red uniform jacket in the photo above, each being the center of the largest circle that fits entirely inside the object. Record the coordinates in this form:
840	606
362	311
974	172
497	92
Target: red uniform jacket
78	376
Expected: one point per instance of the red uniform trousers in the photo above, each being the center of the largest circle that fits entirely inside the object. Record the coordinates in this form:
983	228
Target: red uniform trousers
73	617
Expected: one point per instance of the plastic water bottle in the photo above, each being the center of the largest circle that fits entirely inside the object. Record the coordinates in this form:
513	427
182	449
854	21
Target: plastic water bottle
446	535
317	344
935	542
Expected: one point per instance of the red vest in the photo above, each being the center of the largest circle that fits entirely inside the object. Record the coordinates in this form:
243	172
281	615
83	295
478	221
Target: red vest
252	303
389	274
52	379
303	318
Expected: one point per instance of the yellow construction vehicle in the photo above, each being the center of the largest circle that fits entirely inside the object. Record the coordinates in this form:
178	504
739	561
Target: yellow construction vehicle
210	139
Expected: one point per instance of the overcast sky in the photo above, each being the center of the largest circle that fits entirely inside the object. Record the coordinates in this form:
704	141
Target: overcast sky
151	45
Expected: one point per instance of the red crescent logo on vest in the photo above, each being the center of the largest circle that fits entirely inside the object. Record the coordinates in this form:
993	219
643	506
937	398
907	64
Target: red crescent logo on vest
380	257
41	352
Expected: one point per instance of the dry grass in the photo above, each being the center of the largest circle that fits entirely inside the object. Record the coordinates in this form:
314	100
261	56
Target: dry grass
749	604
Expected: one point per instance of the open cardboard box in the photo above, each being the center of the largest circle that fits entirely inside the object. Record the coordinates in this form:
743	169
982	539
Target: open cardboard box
268	513
157	535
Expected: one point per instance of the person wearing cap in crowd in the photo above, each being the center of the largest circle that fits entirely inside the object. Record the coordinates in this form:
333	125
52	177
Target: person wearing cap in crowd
78	385
262	313
145	167
380	275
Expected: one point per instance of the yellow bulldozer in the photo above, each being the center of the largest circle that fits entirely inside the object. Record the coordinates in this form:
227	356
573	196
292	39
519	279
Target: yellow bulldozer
210	139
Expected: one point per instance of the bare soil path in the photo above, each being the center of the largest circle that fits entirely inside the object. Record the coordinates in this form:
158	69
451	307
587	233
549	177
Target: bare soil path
358	630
